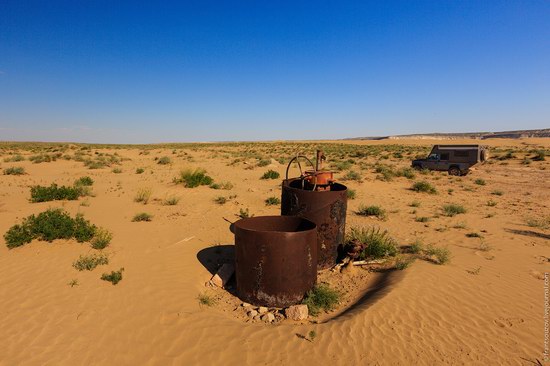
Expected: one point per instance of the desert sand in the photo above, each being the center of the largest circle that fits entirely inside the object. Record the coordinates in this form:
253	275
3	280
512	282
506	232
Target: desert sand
485	307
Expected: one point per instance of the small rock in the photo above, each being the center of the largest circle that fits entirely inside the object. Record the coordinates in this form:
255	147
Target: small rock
297	312
348	268
262	310
252	313
268	318
246	305
223	275
257	317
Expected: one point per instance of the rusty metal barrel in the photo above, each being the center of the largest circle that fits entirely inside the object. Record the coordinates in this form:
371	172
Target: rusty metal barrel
275	259
327	209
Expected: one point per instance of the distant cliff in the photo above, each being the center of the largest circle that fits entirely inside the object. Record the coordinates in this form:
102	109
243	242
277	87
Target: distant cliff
465	135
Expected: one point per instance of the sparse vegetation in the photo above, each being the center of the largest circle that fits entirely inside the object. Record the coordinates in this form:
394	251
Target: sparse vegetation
473	235
270	174
423	186
244	213
222	185
14	159
416	247
453	210
351	194
84	182
194	178
143	195
403	263
140	170
89	262
480	182
206	300
370	243
438	255
143	216
371	211
171	201
48	226
321	297
101	238
352	175
422	219
164	160
272	201
114	277
541	223
54	193
220	200
14	170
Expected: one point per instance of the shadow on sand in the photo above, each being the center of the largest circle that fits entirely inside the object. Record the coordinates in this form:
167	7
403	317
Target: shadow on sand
530	233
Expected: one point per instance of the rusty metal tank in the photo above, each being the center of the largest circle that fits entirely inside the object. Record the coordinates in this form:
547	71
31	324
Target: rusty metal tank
275	259
326	208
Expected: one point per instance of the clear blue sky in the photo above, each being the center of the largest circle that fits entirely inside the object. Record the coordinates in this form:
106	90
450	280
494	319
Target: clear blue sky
117	71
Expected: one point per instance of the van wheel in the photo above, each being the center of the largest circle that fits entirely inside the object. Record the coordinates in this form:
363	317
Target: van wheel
454	170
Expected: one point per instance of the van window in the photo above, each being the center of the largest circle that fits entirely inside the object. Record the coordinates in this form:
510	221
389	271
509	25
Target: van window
462	153
445	156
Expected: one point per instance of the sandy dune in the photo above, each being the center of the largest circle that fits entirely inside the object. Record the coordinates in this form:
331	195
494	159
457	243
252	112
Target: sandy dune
429	314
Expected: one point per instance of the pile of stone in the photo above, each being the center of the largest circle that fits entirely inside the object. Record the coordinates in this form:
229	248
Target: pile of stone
274	315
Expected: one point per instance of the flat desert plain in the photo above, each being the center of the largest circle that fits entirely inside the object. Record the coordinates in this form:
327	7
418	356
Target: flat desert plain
484	307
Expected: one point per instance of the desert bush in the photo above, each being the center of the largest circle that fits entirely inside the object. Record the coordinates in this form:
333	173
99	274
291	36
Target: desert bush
117	170
171	201
422	219
540	155
441	255
423	186
352	175
143	195
264	162
220	200
453	209
206	300
48	226
271	201
84	182
14	159
164	160
89	262
139	170
371	211
270	174
321	297
480	182
372	242
101	238
54	193
491	203
415	204
222	185
114	277
14	170
194	178
473	235
143	216
351	194
417	246
403	263
244	213
541	223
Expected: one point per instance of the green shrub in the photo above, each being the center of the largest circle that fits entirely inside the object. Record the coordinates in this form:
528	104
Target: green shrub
89	262
270	174
164	160
417	246
491	203
14	170
48	226
117	170
143	195
206	300
139	170
54	193
497	193
271	201
244	214
84	182
351	194
403	263
171	201
422	219
540	155
220	200
441	255
321	297
423	186
101	238
194	178
374	243
114	277
480	182
142	217
264	162
473	235
352	175
406	172
14	159
415	204
371	211
453	209
222	185
541	223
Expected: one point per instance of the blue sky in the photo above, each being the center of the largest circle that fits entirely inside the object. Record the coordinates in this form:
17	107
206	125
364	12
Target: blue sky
132	72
